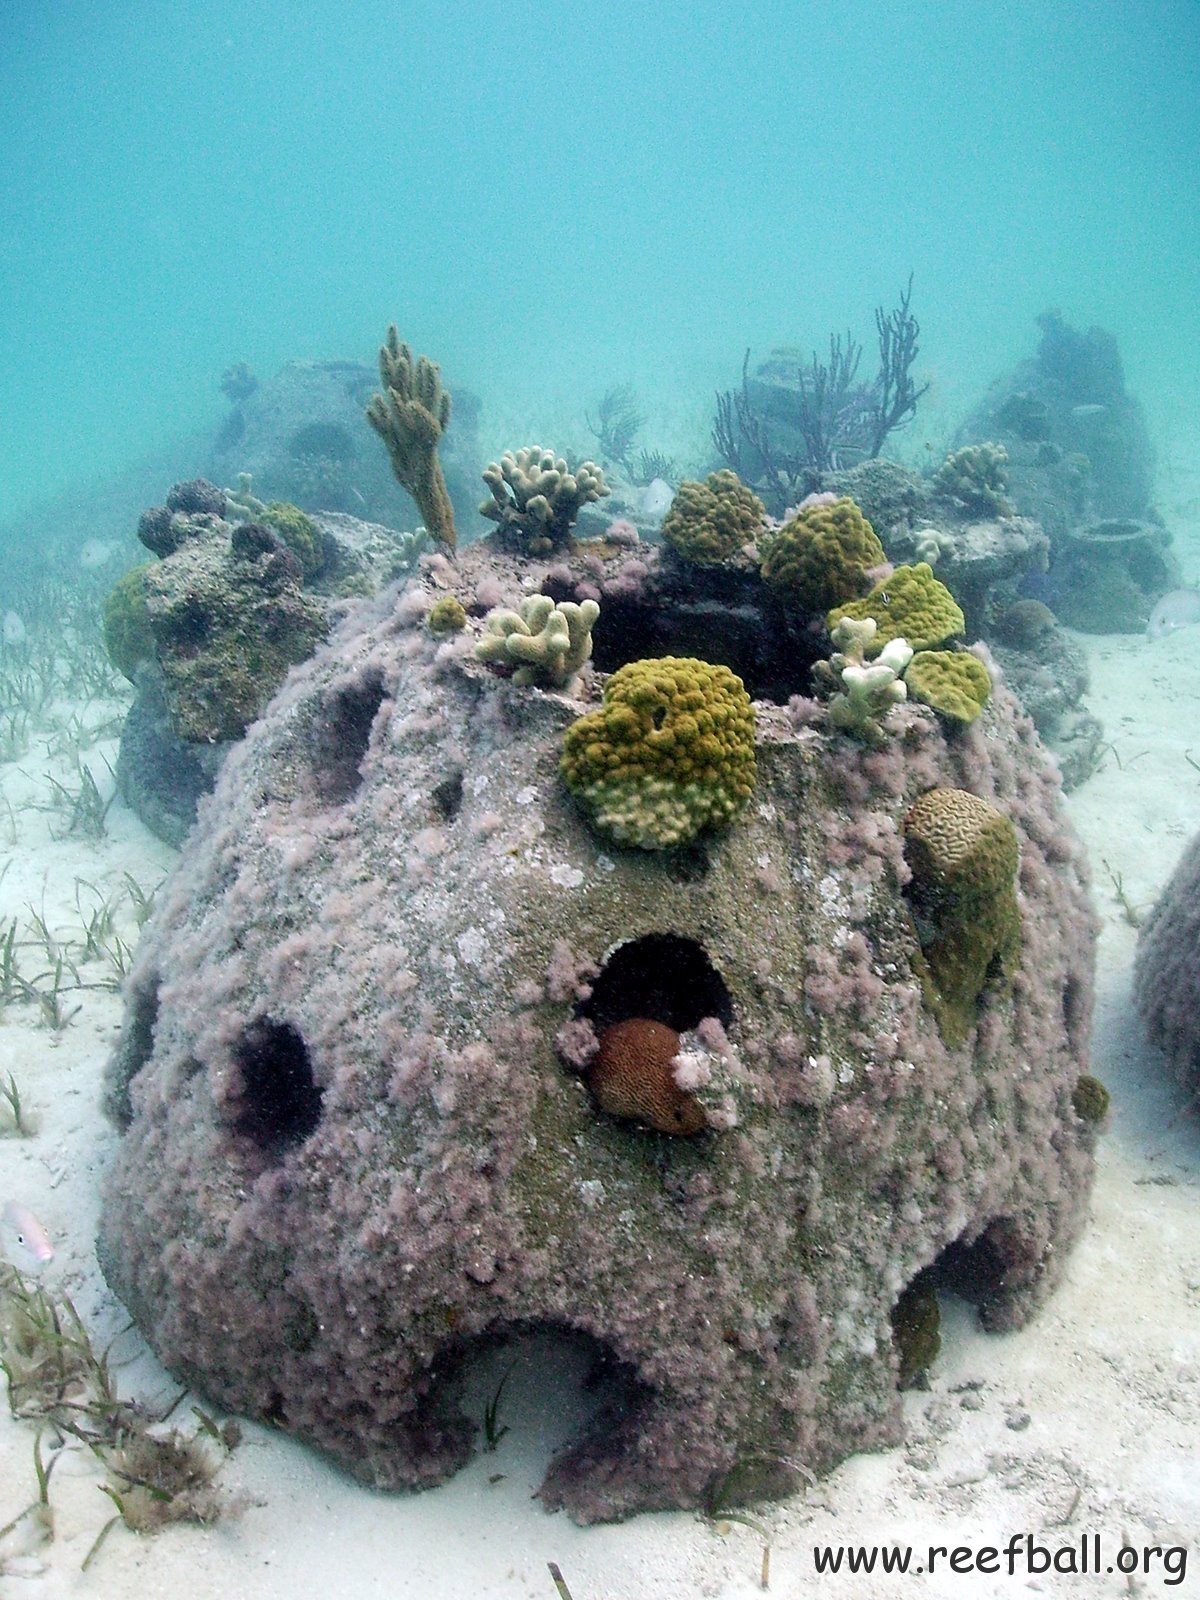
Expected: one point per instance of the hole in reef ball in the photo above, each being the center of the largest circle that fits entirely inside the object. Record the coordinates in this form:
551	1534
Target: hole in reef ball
280	1103
662	976
340	736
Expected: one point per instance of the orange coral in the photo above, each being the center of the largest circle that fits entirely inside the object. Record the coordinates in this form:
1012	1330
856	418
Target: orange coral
630	1076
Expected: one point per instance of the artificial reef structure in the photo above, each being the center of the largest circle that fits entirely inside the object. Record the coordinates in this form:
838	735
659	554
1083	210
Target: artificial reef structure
1077	458
238	591
612	941
1167	971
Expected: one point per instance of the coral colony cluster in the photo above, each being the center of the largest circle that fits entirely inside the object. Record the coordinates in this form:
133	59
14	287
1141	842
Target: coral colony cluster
678	946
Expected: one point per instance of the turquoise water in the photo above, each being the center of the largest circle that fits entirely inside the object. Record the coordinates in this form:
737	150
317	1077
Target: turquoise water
553	200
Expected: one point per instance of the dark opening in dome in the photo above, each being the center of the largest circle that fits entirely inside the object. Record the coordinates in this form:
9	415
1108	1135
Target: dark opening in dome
995	1261
560	1392
280	1104
326	439
729	621
340	735
137	1045
448	795
661	976
188	628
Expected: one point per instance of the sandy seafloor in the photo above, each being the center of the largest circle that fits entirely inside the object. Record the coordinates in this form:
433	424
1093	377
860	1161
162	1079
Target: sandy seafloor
1085	1422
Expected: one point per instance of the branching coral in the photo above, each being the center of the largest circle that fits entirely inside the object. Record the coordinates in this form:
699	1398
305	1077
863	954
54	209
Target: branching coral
820	558
547	643
671	752
410	417
975	478
536	496
707	522
865	694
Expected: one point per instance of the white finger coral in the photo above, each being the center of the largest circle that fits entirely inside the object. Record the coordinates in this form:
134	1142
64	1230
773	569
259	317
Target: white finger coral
547	643
537	496
866	693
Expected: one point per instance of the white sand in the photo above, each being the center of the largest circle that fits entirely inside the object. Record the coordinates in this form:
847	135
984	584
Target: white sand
1088	1421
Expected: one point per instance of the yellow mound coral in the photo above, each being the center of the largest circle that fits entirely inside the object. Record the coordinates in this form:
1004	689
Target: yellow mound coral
911	605
300	533
822	556
707	522
670	752
963	854
954	682
446	615
128	637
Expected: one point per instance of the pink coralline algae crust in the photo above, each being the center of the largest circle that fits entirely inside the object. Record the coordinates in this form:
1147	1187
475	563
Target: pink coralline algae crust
1167	971
358	1143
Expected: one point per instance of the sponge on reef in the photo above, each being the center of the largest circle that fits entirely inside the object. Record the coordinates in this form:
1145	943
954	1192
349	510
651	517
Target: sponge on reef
708	522
911	604
670	752
822	556
128	636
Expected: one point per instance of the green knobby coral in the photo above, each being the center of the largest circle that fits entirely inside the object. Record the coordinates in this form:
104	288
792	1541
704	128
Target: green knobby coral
821	558
547	643
963	854
671	752
954	683
708	522
537	497
446	615
1090	1099
912	604
128	637
916	1332
975	478
300	533
410	417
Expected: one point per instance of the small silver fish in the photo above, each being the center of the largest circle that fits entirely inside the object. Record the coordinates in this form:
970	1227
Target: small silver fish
1178	609
95	553
655	499
26	1239
1083	412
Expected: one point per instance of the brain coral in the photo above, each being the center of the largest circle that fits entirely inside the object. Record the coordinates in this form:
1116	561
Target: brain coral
963	853
707	522
1167	973
911	604
358	1150
822	556
630	1076
670	753
954	682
